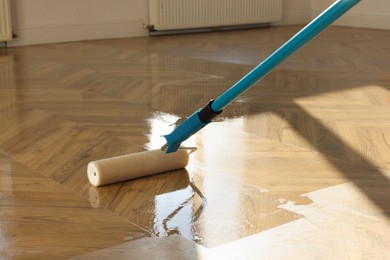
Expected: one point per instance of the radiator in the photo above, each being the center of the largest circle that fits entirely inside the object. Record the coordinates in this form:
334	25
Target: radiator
185	14
5	21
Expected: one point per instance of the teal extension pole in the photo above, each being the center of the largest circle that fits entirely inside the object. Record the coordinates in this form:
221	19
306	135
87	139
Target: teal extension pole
204	116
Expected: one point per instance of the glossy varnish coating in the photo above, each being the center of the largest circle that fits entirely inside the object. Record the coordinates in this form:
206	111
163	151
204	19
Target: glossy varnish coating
300	162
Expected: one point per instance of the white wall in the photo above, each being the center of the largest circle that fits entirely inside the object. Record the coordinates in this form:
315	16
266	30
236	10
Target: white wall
295	12
368	13
44	21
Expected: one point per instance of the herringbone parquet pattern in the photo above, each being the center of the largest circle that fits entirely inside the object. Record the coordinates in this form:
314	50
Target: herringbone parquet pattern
317	127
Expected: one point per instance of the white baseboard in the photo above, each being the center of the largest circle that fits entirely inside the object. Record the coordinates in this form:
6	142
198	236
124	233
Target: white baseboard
53	33
363	20
294	17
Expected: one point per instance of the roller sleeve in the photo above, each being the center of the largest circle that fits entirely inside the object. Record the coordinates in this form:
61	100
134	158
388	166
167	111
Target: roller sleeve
127	167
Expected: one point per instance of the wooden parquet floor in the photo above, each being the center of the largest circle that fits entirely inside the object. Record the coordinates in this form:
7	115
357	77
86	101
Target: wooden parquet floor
296	168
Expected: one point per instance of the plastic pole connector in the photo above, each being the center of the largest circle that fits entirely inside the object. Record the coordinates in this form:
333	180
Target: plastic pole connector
190	126
182	132
206	114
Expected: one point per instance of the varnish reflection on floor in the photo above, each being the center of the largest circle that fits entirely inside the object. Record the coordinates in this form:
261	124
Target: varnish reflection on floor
301	162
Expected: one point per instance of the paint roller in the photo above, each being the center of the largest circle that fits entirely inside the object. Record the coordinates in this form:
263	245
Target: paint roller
170	156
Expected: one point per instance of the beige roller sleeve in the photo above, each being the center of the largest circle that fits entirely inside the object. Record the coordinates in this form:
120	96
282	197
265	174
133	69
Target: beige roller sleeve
135	165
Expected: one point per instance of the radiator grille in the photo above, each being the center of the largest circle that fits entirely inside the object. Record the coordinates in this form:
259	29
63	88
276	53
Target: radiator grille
183	14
